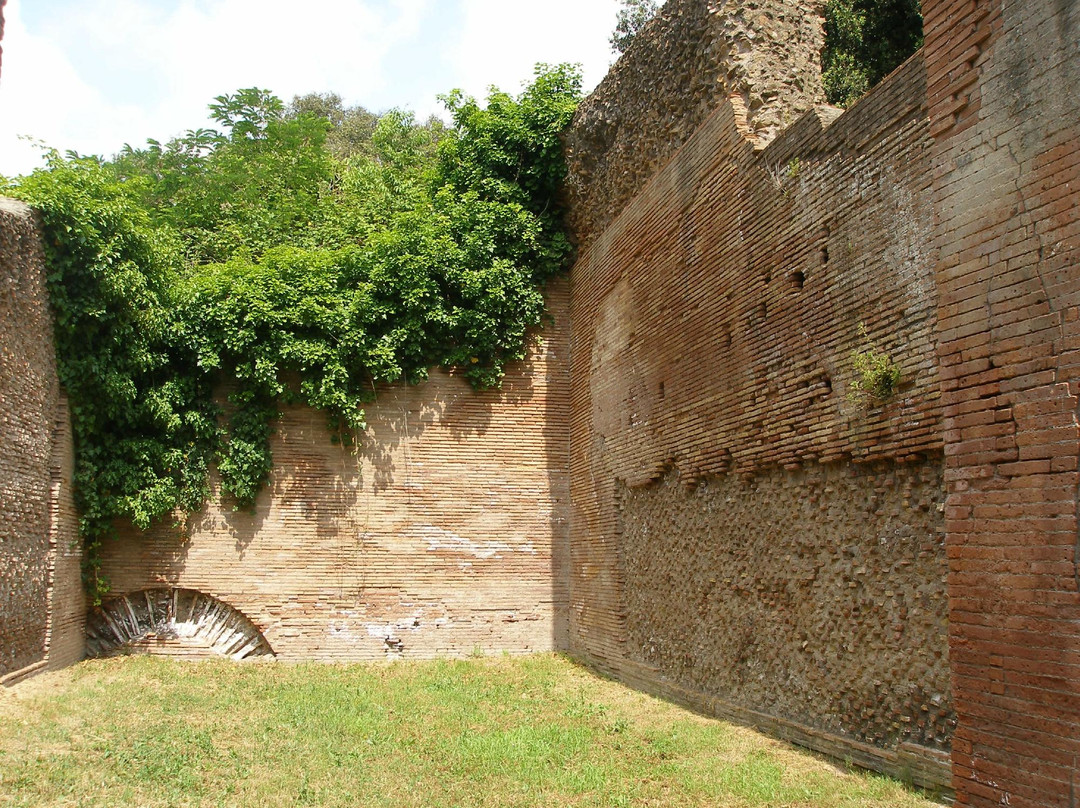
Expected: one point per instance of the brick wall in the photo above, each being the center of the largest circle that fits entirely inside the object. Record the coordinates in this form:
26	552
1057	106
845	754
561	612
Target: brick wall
446	532
723	485
66	634
1003	80
727	493
41	611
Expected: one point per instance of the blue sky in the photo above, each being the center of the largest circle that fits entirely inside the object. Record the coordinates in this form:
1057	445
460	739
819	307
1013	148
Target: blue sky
91	75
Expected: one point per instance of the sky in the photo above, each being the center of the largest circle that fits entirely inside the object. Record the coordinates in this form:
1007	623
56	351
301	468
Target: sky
92	75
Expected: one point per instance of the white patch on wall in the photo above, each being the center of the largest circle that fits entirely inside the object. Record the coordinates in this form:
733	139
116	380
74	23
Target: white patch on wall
437	539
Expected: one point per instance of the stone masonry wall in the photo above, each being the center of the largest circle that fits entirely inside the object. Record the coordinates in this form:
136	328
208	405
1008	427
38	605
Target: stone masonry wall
714	321
41	606
762	54
1005	116
446	533
817	595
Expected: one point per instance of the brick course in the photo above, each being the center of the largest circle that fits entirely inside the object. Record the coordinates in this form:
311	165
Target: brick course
714	321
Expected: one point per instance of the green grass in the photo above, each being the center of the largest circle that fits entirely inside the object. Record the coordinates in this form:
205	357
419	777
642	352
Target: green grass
533	731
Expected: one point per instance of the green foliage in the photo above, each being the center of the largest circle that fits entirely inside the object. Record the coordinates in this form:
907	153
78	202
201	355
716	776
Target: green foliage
876	375
142	421
865	40
256	262
633	16
254	186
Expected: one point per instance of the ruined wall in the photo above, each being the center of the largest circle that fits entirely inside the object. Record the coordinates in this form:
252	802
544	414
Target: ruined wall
41	606
762	54
445	533
744	535
1004	105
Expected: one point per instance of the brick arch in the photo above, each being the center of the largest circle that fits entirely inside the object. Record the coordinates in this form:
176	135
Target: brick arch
173	622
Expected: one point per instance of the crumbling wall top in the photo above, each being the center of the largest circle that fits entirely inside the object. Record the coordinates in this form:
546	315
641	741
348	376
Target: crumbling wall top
762	55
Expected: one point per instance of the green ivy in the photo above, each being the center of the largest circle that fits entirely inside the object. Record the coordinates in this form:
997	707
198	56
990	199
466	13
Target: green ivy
256	263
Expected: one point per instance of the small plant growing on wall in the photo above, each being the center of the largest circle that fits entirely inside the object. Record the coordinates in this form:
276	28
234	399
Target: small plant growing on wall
875	375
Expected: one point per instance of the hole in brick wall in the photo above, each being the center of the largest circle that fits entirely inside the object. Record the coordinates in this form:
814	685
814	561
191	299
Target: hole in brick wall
826	387
798	279
825	254
762	310
661	391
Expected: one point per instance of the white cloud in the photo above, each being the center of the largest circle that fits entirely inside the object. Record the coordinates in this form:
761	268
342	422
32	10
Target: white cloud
94	74
501	41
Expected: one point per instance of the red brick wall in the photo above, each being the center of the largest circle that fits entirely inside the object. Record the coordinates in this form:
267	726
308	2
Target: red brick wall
29	391
445	533
1003	79
66	638
714	322
41	608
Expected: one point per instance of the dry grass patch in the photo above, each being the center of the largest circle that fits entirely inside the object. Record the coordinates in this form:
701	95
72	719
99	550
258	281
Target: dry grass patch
523	731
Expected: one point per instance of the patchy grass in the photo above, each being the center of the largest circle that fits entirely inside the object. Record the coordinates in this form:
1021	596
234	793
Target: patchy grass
533	731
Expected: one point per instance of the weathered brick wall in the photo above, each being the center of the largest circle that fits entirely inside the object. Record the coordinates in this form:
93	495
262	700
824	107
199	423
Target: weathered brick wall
694	55
1005	114
447	532
40	592
66	638
29	391
714	321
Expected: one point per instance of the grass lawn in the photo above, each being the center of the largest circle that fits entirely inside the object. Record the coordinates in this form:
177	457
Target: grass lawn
521	731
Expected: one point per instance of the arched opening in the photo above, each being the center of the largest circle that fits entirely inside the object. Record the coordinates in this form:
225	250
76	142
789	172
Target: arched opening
173	622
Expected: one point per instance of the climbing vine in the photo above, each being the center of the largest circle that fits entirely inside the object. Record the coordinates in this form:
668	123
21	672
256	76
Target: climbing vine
253	262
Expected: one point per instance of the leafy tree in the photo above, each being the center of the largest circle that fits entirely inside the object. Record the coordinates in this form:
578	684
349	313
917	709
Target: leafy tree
865	40
632	17
351	128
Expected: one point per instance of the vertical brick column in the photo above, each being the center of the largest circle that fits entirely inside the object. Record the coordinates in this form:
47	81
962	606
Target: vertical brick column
1004	107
